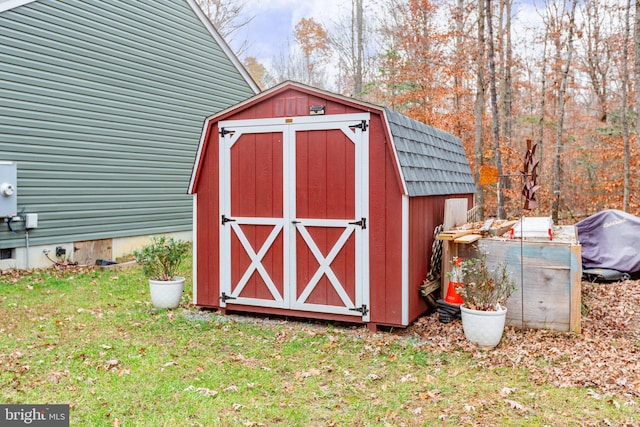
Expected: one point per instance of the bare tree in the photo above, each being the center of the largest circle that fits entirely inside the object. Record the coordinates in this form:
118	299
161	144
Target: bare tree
225	17
597	54
479	109
289	64
636	46
495	121
458	18
350	39
507	64
358	11
557	165
543	96
625	122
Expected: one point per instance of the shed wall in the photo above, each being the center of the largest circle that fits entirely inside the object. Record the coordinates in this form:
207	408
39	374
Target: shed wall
207	231
425	214
102	110
385	235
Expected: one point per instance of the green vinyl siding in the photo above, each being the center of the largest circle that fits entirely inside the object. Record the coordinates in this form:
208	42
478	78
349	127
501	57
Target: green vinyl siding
102	106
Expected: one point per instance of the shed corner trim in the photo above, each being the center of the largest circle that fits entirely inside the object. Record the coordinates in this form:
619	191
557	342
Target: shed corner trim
403	182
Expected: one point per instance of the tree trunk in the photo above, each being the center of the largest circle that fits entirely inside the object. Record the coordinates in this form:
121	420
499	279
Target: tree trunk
457	79
636	45
543	96
557	166
508	90
479	110
495	127
357	79
625	121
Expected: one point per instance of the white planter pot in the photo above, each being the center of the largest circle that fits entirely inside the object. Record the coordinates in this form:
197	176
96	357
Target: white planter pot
166	294
483	328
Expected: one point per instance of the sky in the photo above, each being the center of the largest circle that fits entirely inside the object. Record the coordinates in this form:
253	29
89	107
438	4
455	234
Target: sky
272	26
269	34
273	21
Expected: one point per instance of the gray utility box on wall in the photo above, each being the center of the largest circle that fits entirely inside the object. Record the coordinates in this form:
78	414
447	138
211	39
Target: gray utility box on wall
8	190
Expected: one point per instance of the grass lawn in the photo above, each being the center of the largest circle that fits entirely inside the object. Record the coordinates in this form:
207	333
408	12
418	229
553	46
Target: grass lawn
91	339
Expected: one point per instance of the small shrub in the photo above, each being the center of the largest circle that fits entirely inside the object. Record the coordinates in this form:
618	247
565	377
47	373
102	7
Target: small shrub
484	288
161	259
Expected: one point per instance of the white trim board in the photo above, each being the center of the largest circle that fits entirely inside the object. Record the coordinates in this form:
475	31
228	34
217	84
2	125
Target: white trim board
11	4
291	225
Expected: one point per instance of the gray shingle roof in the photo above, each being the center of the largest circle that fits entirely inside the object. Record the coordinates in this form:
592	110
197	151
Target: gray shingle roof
433	162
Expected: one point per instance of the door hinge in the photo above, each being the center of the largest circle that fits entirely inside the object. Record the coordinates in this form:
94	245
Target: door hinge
224	297
362	223
362	309
362	125
224	131
226	220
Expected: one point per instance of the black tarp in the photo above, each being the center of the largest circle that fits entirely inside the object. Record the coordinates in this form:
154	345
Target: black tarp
610	239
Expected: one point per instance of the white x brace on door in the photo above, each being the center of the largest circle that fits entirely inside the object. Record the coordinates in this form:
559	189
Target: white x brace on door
294	207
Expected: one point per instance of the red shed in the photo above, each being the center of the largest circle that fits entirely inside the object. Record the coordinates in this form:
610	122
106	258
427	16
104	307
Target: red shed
311	204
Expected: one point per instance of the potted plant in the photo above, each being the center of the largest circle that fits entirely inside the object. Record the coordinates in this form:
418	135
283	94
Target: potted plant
484	295
160	261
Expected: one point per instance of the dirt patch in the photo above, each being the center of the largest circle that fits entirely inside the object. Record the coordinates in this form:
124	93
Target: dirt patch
606	355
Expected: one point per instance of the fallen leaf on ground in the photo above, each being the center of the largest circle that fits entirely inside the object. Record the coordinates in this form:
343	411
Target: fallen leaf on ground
603	357
202	390
516	405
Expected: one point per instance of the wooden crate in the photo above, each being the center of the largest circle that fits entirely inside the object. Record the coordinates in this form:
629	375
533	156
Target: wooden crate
548	278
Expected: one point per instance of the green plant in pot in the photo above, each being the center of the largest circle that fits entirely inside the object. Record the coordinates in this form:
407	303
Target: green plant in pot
484	294
160	261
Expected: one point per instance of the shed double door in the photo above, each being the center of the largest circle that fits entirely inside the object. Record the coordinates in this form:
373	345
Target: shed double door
294	207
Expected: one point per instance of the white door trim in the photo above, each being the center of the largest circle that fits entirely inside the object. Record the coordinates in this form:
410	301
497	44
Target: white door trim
256	260
324	264
290	225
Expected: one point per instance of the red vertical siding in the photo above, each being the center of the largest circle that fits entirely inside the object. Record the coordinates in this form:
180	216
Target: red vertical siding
325	189
385	230
289	103
325	175
425	214
256	192
208	215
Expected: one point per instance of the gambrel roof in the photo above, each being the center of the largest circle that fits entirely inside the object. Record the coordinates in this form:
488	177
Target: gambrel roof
430	162
433	162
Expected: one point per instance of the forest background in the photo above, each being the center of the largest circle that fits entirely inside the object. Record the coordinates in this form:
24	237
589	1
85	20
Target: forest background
565	79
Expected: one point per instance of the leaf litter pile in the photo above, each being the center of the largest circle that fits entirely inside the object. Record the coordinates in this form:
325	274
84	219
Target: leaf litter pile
605	356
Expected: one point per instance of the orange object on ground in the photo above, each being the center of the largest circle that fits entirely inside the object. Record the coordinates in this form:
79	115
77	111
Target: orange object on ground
452	296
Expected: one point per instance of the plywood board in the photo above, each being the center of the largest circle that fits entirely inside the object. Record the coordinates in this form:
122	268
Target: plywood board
87	252
449	250
455	213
